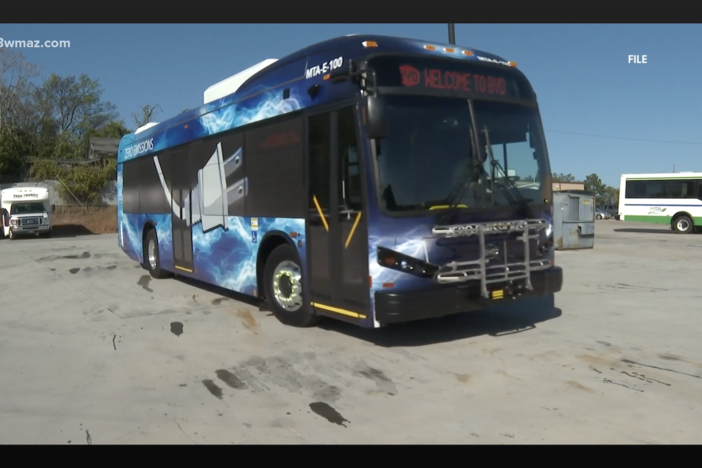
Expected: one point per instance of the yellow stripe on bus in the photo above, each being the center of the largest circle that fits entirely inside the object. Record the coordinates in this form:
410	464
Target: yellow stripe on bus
338	311
321	214
353	229
445	207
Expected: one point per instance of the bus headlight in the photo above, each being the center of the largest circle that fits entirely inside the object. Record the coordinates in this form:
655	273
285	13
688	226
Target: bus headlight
549	229
404	263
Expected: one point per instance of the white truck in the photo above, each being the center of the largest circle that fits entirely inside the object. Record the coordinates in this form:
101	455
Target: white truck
26	211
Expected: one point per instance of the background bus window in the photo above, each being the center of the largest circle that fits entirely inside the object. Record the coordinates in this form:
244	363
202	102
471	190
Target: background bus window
274	169
672	189
679	189
349	168
634	189
655	189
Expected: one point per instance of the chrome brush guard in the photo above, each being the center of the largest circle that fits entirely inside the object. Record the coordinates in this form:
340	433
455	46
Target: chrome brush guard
460	272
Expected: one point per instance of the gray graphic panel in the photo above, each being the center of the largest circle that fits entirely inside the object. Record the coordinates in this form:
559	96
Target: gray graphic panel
213	189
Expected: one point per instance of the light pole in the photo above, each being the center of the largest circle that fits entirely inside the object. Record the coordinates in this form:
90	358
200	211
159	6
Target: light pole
452	33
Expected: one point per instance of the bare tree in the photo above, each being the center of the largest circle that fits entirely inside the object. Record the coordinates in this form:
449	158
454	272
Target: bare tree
15	86
144	116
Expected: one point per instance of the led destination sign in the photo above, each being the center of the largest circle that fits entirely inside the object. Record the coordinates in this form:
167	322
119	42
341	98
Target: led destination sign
468	79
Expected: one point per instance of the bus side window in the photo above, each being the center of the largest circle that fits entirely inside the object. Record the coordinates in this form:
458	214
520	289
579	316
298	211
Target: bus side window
349	166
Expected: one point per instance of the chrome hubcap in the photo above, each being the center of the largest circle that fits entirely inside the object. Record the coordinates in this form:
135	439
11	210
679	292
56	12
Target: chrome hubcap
683	225
152	254
287	286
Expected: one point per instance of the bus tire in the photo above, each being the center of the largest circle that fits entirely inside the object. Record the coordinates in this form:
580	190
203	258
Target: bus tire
683	224
152	256
283	288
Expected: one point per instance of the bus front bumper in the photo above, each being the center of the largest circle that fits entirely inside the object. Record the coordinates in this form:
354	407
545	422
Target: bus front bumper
445	300
39	228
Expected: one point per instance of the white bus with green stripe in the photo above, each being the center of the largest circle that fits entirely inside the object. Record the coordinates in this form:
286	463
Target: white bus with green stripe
674	199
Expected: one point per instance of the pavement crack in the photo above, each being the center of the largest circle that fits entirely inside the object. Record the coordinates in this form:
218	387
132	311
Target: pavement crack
114	337
88	438
627	361
621	385
184	433
644	378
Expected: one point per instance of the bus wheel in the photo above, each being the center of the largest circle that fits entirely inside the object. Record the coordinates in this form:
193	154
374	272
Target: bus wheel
683	224
283	288
152	257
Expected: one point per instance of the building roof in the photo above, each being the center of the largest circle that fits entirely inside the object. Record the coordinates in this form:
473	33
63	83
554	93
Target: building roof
101	146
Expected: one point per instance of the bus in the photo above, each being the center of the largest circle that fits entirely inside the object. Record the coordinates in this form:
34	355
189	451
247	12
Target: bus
26	212
674	199
371	179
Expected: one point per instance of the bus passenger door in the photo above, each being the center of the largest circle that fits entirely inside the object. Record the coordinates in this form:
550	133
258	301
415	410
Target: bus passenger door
337	235
181	226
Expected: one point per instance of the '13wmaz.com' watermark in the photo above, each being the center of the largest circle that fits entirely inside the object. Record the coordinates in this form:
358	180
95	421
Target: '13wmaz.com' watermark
4	43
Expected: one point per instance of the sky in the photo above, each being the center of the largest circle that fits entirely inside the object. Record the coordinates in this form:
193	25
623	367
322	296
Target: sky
601	113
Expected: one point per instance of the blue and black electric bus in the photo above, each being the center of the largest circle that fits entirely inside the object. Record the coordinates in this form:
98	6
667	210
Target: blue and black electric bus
368	178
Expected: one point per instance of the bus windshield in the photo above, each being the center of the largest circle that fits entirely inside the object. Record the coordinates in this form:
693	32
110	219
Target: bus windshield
428	153
27	208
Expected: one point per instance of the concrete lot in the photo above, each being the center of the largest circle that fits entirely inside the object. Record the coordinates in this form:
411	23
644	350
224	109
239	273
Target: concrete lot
93	351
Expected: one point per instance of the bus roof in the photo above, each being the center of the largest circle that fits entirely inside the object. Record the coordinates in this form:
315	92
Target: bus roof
662	175
271	73
37	190
17	194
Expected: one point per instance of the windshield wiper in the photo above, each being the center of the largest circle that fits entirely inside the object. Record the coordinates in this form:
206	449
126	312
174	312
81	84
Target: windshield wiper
470	175
521	201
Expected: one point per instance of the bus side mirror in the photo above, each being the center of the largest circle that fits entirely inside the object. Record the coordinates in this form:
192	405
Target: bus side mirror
376	122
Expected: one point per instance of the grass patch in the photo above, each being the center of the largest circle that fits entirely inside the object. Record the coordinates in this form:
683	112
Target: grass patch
74	220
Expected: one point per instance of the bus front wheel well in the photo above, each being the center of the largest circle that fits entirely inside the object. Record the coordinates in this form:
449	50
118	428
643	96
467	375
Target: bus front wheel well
148	226
268	245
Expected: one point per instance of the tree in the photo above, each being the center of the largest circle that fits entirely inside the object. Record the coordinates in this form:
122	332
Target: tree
595	185
82	183
14	147
611	196
145	115
562	177
15	85
69	109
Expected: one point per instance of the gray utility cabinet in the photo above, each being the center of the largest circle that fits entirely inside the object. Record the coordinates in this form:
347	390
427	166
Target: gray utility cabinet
573	220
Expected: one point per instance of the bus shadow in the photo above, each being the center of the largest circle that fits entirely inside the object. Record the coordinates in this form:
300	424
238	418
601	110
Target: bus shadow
645	231
225	293
70	230
58	232
499	321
